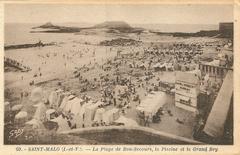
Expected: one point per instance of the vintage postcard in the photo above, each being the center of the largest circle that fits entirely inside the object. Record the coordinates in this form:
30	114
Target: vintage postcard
120	77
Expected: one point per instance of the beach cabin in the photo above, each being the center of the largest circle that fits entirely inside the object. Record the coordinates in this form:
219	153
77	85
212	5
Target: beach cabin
79	118
90	113
73	105
98	118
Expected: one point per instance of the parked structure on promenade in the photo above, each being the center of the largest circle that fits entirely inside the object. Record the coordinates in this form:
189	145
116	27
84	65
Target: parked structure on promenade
187	90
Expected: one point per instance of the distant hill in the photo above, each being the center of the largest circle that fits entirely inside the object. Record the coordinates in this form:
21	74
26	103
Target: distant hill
182	28
118	26
47	25
113	25
57	29
210	33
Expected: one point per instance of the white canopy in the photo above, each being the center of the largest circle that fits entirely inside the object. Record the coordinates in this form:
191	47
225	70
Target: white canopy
110	115
90	112
126	121
62	123
152	103
73	106
156	65
79	118
99	114
64	102
163	65
173	90
142	65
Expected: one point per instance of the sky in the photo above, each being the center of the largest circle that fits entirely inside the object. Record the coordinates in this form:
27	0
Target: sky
133	14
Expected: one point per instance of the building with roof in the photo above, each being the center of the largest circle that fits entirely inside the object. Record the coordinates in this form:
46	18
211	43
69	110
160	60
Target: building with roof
214	69
187	90
226	29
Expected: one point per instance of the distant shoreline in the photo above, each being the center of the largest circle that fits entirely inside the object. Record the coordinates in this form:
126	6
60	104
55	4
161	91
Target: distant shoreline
20	46
165	27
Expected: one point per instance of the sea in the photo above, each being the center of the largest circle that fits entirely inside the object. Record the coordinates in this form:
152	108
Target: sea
189	28
19	33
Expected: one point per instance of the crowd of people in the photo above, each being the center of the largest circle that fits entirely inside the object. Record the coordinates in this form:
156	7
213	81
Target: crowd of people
123	81
16	64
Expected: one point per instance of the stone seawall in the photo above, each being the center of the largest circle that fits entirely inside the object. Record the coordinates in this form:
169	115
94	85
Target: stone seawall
129	135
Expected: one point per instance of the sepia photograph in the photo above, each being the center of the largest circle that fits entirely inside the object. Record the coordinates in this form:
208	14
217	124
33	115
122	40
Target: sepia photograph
118	74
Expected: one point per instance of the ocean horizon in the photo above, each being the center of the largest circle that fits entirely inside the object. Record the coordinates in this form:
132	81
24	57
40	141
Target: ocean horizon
20	32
